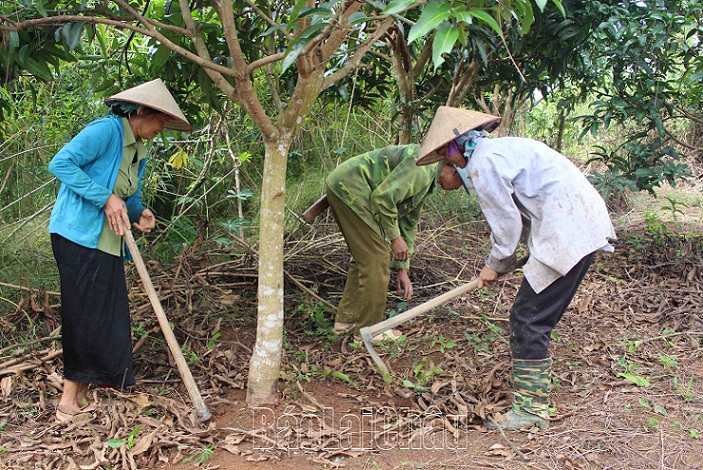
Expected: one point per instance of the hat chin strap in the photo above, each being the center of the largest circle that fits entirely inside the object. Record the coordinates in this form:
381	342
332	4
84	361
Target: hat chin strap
464	175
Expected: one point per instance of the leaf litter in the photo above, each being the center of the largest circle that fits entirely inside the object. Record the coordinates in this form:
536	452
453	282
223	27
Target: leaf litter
628	379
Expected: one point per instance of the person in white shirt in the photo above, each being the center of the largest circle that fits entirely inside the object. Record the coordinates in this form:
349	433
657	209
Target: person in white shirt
527	192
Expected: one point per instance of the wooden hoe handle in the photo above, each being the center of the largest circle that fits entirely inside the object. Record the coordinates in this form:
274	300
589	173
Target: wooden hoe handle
201	411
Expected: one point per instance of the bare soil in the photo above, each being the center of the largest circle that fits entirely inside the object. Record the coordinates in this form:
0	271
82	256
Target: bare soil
627	379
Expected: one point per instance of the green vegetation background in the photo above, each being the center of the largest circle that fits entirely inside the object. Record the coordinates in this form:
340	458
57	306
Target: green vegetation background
190	178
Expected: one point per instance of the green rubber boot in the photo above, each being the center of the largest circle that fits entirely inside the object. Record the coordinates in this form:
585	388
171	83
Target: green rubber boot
531	403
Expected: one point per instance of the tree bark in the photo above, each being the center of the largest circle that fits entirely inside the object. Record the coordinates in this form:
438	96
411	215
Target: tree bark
264	366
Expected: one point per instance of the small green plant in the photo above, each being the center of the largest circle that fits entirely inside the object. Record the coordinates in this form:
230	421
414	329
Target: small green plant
191	355
199	456
685	391
653	423
425	371
303	373
668	362
665	333
631	346
442	344
139	330
476	342
131	439
339	375
629	372
213	341
673	206
299	356
315	320
400	306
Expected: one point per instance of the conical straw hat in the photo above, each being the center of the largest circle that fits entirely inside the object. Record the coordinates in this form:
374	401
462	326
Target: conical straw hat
448	124
156	96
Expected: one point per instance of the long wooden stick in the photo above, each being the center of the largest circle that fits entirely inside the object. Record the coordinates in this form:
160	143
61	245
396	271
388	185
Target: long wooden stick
201	411
368	332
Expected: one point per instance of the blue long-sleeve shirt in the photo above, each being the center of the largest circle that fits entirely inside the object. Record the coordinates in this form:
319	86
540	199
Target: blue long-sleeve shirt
87	167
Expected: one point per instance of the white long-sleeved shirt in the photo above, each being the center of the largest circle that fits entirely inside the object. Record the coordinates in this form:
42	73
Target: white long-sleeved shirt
525	187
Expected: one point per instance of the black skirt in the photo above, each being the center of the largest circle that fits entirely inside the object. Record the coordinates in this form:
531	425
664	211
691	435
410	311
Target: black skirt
95	323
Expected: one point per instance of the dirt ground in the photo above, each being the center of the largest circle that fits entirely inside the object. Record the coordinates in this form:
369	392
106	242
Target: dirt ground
627	378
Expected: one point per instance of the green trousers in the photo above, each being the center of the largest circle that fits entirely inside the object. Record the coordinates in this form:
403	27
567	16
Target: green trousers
364	300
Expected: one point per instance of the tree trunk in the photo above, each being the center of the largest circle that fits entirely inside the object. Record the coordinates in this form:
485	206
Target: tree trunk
265	361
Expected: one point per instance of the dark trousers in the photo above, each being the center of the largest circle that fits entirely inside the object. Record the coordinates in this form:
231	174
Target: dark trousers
534	316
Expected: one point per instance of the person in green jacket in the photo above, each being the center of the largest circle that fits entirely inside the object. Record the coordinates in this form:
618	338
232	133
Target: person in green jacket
376	199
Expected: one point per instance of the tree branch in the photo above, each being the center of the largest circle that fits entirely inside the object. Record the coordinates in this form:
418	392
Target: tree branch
244	95
359	53
59	20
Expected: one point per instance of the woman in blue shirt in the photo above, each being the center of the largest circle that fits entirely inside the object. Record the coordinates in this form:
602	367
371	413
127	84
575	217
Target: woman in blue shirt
101	171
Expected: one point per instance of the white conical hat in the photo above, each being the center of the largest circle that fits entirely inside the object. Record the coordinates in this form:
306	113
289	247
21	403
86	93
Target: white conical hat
156	96
448	124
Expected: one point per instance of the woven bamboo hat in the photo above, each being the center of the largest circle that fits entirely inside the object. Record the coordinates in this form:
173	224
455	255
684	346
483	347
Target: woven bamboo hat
156	96
448	124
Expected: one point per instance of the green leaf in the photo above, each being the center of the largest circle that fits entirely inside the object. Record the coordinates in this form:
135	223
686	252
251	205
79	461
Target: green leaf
320	12
299	5
340	375
115	443
527	18
444	41
358	17
38	69
39	5
396	6
297	45
161	56
14	41
244	194
104	86
560	7
71	34
432	16
635	379
488	19
272	30
541	4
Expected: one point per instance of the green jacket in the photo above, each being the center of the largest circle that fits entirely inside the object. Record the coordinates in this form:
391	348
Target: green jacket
386	190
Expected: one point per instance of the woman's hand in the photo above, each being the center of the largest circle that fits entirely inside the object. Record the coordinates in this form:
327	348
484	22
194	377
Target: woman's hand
487	277
399	248
147	221
402	282
116	213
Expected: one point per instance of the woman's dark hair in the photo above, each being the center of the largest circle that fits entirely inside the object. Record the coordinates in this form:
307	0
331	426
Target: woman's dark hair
126	109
